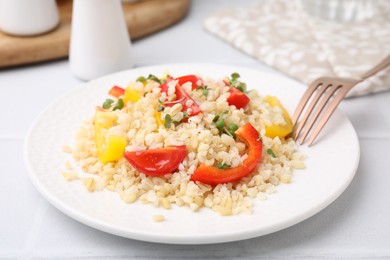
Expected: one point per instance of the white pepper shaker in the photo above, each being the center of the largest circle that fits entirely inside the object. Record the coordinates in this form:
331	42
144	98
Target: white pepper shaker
28	17
100	42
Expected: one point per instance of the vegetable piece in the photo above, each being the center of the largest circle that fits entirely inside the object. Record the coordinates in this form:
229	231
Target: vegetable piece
141	79
157	162
232	130
235	83
189	78
205	90
167	121
220	124
222	127
223	166
212	175
113	150
216	118
107	103
181	97
109	148
132	95
278	130
193	109
154	78
270	152
119	104
144	80
237	98
116	91
164	87
157	116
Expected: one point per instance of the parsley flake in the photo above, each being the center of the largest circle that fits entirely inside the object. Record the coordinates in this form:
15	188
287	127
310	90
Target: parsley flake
270	152
223	166
119	104
205	90
235	83
154	78
168	121
107	103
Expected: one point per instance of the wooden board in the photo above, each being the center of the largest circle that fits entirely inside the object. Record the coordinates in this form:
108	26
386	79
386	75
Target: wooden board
143	18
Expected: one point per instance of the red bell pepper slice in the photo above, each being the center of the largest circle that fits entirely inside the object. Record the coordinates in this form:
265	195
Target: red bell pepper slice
157	162
164	87
189	78
237	98
213	176
116	91
181	97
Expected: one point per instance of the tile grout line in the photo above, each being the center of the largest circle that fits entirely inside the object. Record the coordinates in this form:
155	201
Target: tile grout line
12	137
33	233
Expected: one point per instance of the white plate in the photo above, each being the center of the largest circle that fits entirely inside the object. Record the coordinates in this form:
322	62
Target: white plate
330	167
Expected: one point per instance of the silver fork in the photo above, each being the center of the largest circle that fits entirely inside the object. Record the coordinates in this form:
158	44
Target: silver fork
325	92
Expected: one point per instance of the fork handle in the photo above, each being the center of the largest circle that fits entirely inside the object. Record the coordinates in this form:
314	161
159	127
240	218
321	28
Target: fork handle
382	65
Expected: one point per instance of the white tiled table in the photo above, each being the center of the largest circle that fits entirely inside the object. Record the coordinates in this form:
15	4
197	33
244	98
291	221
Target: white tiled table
355	225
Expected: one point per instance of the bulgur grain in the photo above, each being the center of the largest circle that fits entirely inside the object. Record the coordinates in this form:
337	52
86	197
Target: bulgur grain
70	176
158	218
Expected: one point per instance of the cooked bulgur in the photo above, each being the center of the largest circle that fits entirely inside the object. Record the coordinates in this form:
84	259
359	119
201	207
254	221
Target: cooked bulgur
143	128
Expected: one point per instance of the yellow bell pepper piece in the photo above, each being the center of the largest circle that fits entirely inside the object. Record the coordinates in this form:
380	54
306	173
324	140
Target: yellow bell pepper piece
112	147
132	95
278	130
104	119
113	150
157	116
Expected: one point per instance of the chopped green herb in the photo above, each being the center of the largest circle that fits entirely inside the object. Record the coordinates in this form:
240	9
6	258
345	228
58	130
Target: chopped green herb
270	152
154	78
141	79
223	166
235	83
185	114
205	90
235	75
219	115
119	104
220	124
168	121
107	104
241	87
160	102
232	129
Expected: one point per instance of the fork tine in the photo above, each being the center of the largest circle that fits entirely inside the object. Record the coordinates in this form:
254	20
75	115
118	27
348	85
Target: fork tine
321	89
306	96
329	111
313	119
